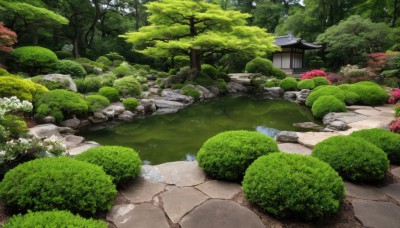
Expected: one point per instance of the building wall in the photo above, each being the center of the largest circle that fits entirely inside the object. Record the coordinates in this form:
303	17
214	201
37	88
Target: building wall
282	59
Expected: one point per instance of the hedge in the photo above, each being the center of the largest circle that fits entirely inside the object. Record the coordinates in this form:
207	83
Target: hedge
326	104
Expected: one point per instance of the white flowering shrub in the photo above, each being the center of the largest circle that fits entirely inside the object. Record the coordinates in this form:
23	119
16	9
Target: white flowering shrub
13	105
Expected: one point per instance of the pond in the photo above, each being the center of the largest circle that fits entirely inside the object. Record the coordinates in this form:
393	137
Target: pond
175	137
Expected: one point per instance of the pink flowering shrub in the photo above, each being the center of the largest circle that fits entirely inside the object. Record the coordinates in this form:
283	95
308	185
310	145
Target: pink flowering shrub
395	96
395	126
334	78
313	74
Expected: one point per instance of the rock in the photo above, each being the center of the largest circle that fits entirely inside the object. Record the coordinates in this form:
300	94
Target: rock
152	174
45	131
153	90
151	77
364	192
372	122
173	79
164	111
109	113
216	213
368	112
62	77
219	189
126	115
347	117
179	201
84	123
205	92
294	148
337	125
275	92
139	110
66	130
149	105
73	140
71	123
137	216
309	125
173	96
357	107
387	108
49	120
83	147
302	96
113	110
142	190
393	191
168	104
234	87
377	214
182	173
215	91
98	117
287	136
310	139
291	95
396	172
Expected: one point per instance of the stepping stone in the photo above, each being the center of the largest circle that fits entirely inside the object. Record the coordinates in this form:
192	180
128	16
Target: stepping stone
371	123
182	173
358	107
393	191
386	108
377	214
83	147
310	139
138	216
151	173
368	112
396	172
347	117
364	192
294	148
142	190
220	189
217	213
180	201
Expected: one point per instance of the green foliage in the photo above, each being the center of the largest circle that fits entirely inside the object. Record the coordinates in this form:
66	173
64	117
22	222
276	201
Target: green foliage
319	81
63	54
122	70
323	91
306	84
353	158
92	84
109	92
388	141
59	104
291	185
14	86
121	163
128	86
227	155
70	67
278	73
191	91
260	65
209	70
57	183
4	72
52	84
52	219
370	93
272	83
96	102
221	84
288	84
326	104
104	60
130	103
34	59
351	98
177	86
15	126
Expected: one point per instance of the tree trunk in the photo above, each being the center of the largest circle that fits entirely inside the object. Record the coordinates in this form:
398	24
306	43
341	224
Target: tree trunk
194	62
394	16
137	16
75	49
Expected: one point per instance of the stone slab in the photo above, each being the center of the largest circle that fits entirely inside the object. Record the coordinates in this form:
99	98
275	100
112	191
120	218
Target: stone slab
347	117
358	107
45	131
219	189
151	173
393	191
177	202
138	216
182	173
369	123
364	192
287	136
168	104
396	172
142	190
386	108
294	148
83	147
377	214
368	112
310	139
221	214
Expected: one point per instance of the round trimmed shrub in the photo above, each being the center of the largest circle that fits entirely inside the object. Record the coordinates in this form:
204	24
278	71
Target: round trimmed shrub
353	158
370	93
122	70
15	126
104	60
278	73
272	83
291	185
92	84
52	219
57	183
128	86
209	70
227	155
192	92
306	84
388	141
326	104
351	98
121	163
323	91
319	81
70	67
288	84
130	103
34	59
110	92
260	65
14	86
97	102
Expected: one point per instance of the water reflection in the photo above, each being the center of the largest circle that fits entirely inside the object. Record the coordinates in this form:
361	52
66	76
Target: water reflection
271	132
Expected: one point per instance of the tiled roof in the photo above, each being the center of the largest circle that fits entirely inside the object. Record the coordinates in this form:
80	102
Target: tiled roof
290	40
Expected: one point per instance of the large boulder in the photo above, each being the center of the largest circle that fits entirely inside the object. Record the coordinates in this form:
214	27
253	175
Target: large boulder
98	117
113	110
291	95
62	77
174	96
302	96
149	105
274	92
234	87
71	123
287	136
45	131
205	93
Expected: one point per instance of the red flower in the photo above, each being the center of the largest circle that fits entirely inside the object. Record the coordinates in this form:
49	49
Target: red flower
7	39
312	74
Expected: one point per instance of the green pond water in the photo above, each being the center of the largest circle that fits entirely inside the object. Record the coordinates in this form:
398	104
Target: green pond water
175	137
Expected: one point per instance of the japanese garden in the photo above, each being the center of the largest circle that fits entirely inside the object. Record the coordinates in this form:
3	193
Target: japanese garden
199	113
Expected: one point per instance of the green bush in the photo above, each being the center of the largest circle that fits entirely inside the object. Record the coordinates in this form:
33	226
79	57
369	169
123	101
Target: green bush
59	104
107	79
288	84
52	219
353	158
326	104
272	83
351	98
122	70
97	102
130	103
323	91
388	141
4	72
92	84
70	67
57	183
14	86
109	92
319	81
34	59
15	126
291	185
227	155
209	70
397	111
192	92
221	84
370	93
104	60
306	84
58	83
260	65
177	86
64	54
114	56
278	73
123	164
128	86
